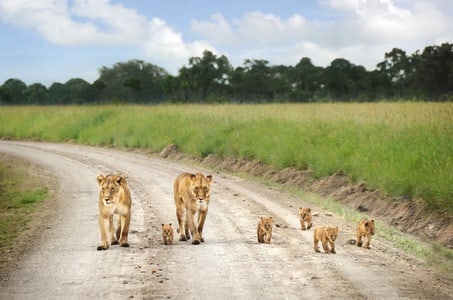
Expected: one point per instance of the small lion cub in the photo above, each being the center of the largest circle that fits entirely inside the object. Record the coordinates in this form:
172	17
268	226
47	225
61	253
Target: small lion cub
365	229
327	235
264	230
306	219
167	234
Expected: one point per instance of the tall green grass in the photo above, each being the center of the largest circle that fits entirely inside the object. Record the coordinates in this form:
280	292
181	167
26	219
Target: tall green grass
402	148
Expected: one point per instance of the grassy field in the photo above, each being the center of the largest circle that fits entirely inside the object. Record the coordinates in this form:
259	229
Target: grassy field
20	194
401	148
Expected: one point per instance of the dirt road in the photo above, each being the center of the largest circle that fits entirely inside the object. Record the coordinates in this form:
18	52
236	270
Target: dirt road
62	261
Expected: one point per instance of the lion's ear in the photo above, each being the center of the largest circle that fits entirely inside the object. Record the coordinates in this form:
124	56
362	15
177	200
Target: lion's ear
309	209
101	179
209	178
169	224
119	179
192	176
367	223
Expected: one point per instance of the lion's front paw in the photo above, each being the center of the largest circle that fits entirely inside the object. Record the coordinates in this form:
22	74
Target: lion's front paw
195	242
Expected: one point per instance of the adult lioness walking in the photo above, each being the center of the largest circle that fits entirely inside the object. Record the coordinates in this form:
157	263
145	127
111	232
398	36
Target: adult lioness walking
192	194
114	198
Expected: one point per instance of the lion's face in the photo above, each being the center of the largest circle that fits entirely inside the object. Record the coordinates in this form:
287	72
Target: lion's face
266	223
304	212
331	233
369	225
200	188
109	188
167	230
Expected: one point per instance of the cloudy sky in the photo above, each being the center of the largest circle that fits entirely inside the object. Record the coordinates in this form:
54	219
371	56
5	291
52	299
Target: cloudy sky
50	41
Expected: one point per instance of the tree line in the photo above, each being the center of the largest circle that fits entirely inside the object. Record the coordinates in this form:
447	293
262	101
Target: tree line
424	75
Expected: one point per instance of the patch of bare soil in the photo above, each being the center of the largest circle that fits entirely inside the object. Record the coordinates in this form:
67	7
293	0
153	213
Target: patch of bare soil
405	213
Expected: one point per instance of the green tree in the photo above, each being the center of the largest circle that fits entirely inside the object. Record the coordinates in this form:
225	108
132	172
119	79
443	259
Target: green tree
433	71
132	81
397	68
36	94
13	91
305	80
253	81
79	91
58	93
338	77
205	74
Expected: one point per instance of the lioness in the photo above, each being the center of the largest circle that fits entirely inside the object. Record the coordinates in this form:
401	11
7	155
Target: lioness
114	198
167	234
192	194
264	230
365	228
327	235
305	217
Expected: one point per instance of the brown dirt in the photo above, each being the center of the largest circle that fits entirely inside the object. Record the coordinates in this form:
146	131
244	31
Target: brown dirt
404	213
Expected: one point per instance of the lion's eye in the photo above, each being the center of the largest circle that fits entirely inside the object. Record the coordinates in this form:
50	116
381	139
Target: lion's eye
196	190
205	189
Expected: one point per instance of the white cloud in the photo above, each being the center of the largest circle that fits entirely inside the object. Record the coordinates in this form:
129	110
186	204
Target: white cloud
268	29
360	31
101	23
49	18
163	44
218	31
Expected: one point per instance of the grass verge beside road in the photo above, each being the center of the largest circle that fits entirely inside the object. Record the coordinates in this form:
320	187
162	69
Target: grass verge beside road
21	193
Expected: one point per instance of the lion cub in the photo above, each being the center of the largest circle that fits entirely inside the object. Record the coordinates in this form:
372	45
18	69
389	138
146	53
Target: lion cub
305	217
167	234
264	230
327	235
365	229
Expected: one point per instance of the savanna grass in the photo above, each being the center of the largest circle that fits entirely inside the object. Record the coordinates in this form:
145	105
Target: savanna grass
401	148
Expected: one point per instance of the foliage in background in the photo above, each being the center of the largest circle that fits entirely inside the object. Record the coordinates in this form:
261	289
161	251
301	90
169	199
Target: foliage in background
402	148
426	75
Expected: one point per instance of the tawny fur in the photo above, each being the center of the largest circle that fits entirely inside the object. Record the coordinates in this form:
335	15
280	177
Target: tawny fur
114	198
305	218
167	234
192	194
365	229
264	230
327	236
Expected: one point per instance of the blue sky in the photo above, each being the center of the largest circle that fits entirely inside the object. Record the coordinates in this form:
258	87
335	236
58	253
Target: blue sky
50	41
